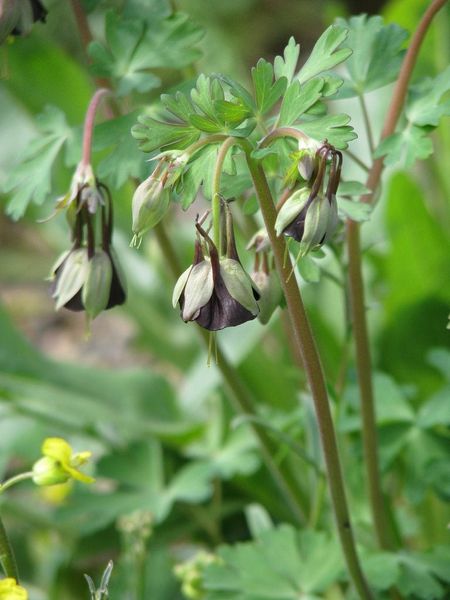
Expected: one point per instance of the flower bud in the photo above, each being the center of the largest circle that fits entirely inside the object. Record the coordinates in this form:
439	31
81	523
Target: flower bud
97	286
47	471
150	203
307	158
293	208
270	291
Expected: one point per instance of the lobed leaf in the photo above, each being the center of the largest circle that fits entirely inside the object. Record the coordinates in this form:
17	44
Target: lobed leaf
31	180
326	53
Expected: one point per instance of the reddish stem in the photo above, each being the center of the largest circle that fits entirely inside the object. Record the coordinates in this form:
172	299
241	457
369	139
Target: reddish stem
89	124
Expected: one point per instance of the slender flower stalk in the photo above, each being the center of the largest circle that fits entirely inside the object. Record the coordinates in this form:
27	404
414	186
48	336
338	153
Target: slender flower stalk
356	288
89	124
221	156
313	368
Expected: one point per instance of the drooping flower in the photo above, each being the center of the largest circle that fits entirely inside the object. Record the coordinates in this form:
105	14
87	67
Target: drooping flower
88	277
59	464
216	292
309	215
10	590
17	17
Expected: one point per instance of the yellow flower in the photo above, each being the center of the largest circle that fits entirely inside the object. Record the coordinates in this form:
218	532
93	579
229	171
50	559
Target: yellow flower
9	590
59	464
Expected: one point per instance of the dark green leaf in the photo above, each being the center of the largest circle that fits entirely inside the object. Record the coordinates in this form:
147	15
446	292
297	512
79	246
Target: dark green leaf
205	124
326	53
231	112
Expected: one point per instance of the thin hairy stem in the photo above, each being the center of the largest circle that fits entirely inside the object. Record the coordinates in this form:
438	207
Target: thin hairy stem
356	289
241	399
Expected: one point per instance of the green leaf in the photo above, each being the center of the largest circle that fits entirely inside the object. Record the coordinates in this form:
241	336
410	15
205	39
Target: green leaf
200	171
405	147
238	91
134	47
377	52
353	188
326	53
424	110
309	269
205	94
205	124
231	112
436	411
311	563
424	105
334	128
124	160
31	180
284	66
416	578
356	211
382	570
267	92
179	105
298	99
153	134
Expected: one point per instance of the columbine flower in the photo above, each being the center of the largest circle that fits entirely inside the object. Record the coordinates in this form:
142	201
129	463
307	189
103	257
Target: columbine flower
59	463
216	292
87	277
309	216
307	157
17	16
10	590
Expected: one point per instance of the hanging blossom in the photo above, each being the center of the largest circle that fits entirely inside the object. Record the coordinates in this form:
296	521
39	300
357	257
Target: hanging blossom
310	216
215	291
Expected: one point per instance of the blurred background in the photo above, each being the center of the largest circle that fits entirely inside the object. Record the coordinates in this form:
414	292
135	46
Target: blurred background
142	373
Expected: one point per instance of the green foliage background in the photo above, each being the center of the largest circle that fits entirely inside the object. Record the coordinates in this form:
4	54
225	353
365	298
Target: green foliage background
138	392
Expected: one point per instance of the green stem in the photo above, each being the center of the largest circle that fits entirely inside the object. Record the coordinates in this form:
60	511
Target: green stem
7	559
367	124
356	288
16	479
306	344
242	400
221	156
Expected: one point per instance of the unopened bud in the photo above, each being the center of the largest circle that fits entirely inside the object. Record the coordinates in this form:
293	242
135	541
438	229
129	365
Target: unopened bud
150	203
